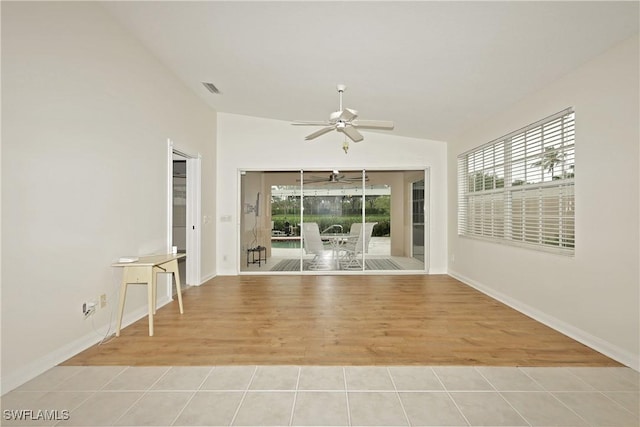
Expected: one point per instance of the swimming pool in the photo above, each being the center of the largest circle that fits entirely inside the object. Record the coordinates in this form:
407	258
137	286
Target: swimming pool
285	244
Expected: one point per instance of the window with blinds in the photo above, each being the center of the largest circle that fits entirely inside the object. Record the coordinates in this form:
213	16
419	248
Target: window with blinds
519	189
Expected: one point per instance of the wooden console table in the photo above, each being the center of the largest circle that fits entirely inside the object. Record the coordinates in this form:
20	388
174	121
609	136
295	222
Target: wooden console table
143	272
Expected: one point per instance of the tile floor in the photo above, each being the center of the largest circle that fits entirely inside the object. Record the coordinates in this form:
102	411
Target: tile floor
327	396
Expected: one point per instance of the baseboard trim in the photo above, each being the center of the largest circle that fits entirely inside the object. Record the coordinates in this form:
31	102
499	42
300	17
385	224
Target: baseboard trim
30	371
205	279
616	353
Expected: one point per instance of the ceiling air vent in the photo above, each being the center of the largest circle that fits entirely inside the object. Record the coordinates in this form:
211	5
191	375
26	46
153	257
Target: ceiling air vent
211	87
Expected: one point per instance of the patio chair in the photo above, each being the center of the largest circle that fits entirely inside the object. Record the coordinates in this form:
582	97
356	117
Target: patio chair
356	244
313	245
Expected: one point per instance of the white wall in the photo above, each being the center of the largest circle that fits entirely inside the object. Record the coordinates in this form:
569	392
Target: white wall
593	296
263	144
86	114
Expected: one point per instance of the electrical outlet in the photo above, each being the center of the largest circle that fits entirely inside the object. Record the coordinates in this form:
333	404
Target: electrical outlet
88	308
103	300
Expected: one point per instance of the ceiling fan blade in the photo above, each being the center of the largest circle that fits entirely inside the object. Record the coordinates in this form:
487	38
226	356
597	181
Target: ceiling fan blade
310	123
333	117
319	132
352	133
313	179
374	124
348	114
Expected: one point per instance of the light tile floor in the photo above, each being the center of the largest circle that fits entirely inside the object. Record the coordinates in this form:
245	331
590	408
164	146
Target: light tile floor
327	396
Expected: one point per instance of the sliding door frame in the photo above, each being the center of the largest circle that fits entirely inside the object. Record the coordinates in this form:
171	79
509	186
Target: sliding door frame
427	206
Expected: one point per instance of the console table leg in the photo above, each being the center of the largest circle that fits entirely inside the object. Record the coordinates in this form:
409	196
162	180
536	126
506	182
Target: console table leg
123	295
172	267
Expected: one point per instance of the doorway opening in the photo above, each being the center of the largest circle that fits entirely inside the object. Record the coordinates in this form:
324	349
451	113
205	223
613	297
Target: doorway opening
179	223
183	212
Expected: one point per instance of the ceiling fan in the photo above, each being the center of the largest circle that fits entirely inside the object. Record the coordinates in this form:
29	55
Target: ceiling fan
335	177
344	120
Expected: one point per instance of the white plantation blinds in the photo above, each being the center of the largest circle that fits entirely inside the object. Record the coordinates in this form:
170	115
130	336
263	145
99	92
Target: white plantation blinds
519	189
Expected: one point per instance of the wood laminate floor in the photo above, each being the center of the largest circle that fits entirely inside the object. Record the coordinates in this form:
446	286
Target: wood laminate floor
340	320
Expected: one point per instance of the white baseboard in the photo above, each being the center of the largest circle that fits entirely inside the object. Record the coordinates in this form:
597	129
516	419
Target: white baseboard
43	364
616	353
205	279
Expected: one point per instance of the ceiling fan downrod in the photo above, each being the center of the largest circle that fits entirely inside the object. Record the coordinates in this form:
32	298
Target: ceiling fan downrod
341	89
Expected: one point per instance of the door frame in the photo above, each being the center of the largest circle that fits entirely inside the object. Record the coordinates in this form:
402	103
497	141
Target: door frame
193	214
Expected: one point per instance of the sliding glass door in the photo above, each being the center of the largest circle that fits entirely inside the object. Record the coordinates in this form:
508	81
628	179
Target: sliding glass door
331	203
331	221
417	219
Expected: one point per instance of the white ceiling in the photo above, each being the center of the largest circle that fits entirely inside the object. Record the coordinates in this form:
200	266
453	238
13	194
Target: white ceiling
435	68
